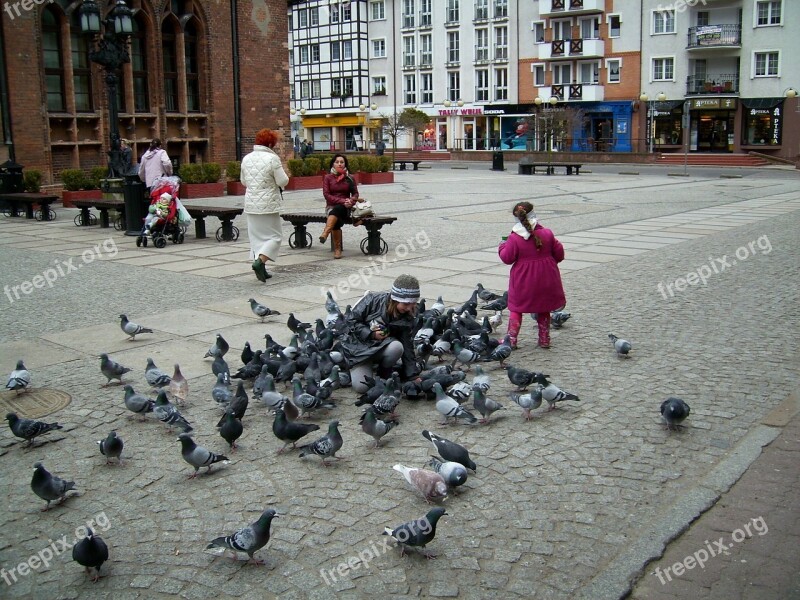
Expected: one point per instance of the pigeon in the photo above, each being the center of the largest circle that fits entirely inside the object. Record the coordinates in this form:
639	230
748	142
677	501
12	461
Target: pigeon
155	376
448	407
219	366
197	456
486	295
454	474
19	379
49	487
288	431
247	353
552	393
496	319
443	345
168	414
500	303
260	310
428	483
521	377
621	346
334	313
91	552
132	329
220	348
249	539
372	425
286	370
111	369
221	392
269	396
465	356
450	450
485	406
297	326
460	391
111	447
527	402
502	351
258	382
238	404
558	318
136	402
178	385
674	411
305	401
481	380
28	429
326	446
231	429
417	534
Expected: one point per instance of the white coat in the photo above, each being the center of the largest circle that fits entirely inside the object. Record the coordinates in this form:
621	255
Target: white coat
263	176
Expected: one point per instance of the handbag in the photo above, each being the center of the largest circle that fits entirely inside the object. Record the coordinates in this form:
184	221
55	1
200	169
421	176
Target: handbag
362	209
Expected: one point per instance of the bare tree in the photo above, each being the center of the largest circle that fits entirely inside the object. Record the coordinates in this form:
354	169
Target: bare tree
554	128
397	124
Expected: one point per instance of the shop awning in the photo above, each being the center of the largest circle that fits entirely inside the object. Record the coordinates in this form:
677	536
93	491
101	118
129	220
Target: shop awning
761	102
667	105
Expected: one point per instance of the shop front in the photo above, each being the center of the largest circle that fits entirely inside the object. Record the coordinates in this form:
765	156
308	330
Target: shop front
335	133
712	124
762	123
664	125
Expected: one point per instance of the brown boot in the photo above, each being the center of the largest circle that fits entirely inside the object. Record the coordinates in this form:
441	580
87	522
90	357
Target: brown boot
336	234
329	225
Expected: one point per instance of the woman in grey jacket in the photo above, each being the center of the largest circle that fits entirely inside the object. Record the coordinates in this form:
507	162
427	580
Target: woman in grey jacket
263	175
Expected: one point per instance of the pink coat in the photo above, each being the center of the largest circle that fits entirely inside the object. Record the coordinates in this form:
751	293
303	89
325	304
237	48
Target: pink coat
534	284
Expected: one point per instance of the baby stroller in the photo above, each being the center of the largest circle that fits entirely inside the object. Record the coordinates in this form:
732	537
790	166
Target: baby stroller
166	218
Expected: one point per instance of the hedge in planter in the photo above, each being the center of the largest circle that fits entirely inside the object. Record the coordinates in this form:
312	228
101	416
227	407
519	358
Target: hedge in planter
201	180
78	186
233	174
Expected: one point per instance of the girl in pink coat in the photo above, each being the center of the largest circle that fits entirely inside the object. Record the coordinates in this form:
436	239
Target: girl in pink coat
534	284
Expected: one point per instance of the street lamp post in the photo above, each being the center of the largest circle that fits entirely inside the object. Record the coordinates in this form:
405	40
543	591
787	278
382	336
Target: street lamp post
651	121
549	131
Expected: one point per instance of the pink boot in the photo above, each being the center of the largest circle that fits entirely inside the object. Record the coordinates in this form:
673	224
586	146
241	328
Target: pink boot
514	323
543	321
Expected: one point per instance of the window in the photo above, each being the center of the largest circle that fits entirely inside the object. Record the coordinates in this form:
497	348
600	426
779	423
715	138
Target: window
313	16
453	85
766	64
192	67
378	48
81	71
409	50
426	50
425	16
452	46
303	55
452	12
500	9
314	53
347	14
302	17
481	45
482	85
141	97
169	65
410	89
538	75
336	51
377	10
614	26
347	50
663	69
347	86
768	13
408	13
589	73
335	13
481	10
379	86
562	74
53	61
762	127
305	89
426	88
501	43
316	88
501	88
590	28
703	18
538	31
614	67
562	30
663	21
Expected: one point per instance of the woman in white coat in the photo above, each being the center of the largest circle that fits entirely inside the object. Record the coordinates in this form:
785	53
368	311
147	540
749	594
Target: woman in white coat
263	176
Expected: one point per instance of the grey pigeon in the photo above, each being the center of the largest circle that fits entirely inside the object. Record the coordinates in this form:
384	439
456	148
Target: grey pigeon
111	369
260	310
622	347
136	402
305	401
19	379
249	539
521	378
481	380
485	406
448	407
258	382
558	318
155	376
221	392
327	446
417	534
502	351
269	396
168	414
551	393
296	325
132	329
219	366
450	450
111	447
288	431
674	411
197	456
500	303
463	355
527	402
460	391
238	403
373	426
231	428
178	385
49	487
486	295
220	348
28	429
454	474
332	308
428	483
91	552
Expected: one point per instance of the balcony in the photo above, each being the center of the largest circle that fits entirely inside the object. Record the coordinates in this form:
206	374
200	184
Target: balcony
578	48
711	85
715	36
556	8
574	92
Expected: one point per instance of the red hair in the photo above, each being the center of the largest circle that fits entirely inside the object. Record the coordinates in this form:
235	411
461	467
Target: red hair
266	137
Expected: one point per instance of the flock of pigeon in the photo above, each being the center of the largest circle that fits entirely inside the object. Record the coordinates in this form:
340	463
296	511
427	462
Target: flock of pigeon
312	367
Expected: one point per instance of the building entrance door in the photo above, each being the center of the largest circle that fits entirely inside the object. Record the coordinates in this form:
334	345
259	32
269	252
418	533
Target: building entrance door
712	131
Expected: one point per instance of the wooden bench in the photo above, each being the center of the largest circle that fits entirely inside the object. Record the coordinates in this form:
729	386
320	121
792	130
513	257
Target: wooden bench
86	218
28	199
403	163
528	167
226	214
372	244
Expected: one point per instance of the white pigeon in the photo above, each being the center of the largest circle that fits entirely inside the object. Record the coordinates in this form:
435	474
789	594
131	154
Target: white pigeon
496	319
19	379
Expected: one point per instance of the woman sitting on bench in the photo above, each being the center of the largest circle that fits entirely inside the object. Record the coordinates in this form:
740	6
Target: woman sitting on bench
341	193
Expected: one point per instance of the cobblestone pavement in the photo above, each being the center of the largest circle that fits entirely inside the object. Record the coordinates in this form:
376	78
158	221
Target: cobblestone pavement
573	503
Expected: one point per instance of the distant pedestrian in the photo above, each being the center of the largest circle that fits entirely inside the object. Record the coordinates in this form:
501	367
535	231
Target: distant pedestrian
154	164
126	157
380	147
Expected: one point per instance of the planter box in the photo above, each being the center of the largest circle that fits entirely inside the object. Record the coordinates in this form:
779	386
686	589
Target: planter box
202	190
235	188
67	197
305	183
368	178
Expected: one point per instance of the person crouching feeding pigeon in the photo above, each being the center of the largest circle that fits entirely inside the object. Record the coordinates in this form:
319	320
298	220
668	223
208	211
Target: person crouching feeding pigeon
379	333
534	283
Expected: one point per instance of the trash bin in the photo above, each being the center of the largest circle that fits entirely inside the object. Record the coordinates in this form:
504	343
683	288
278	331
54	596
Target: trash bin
11	180
136	203
497	161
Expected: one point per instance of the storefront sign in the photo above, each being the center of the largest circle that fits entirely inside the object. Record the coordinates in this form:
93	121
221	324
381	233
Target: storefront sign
714	103
348	121
709	35
494	111
776	125
443	112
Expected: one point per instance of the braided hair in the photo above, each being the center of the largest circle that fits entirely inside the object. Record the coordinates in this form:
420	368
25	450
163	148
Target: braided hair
521	211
